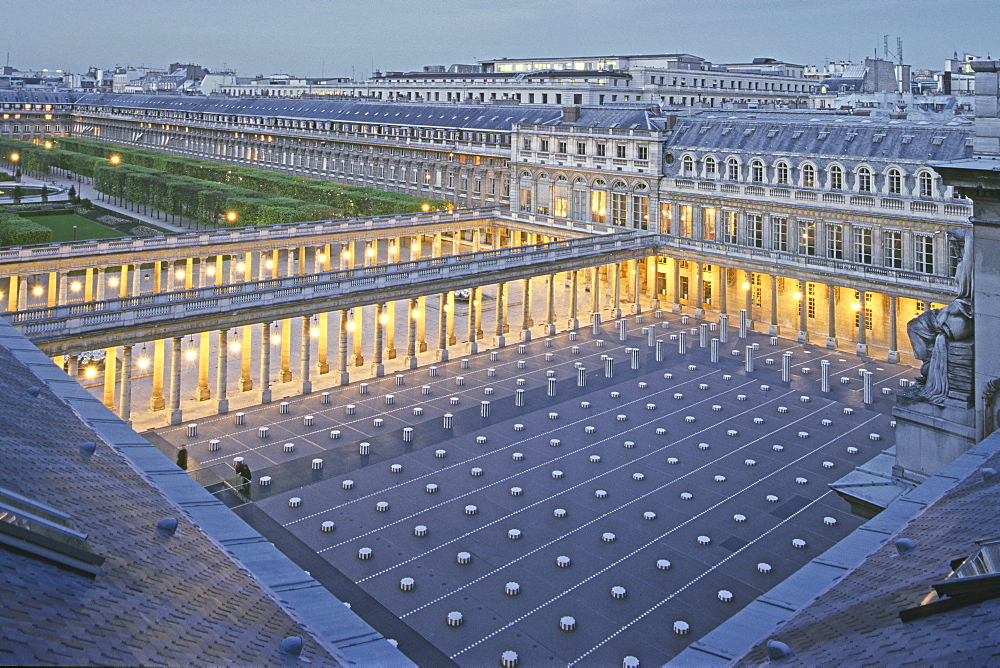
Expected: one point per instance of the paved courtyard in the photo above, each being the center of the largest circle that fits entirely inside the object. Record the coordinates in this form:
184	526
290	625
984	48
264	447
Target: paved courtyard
586	527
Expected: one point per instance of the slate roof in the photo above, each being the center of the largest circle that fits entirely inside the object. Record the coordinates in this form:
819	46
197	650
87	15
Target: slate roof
857	620
467	117
158	600
38	97
828	135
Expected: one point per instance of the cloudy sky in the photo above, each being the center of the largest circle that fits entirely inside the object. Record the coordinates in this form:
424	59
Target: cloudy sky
341	37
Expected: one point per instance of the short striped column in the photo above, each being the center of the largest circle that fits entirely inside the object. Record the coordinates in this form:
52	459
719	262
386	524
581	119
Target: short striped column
519	397
659	350
682	342
551	387
581	377
748	360
609	367
623	330
866	377
484	409
715	350
824	378
743	323
703	335
724	328
786	368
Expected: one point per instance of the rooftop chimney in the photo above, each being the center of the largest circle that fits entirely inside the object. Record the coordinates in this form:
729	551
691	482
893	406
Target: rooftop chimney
571	114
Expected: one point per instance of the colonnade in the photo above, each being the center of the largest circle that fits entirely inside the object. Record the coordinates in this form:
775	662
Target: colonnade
188	360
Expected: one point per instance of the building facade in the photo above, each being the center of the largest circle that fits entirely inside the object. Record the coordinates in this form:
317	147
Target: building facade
829	225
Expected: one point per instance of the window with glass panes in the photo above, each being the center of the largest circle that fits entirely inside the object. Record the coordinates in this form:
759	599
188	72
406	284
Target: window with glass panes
685	220
923	253
925	183
755	230
757	171
643	153
598	206
836	177
640	212
863	245
808	176
711	166
779	234
666	218
835	241
807	237
618	211
733	169
892	249
525	199
708	223
865	180
581	148
782	173
731	231
810	300
895	182
579	204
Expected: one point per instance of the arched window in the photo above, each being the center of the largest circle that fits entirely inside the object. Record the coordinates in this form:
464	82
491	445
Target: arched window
836	177
711	167
781	170
925	184
895	179
599	202
581	200
687	165
864	180
757	171
640	207
808	176
733	169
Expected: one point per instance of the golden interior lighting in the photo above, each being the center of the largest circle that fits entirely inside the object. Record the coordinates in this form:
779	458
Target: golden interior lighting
746	286
142	363
797	295
856	306
75	286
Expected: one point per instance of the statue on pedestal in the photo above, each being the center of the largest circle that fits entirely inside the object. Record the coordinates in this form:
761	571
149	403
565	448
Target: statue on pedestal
934	333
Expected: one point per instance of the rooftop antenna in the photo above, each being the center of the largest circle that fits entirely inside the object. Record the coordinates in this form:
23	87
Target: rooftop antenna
885	47
899	50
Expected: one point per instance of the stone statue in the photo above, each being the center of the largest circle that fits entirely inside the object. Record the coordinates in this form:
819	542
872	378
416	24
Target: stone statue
931	332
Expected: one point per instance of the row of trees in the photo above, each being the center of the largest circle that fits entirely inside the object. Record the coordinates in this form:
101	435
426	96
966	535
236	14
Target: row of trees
18	231
204	191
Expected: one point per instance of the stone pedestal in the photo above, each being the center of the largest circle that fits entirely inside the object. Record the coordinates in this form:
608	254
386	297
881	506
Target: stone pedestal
929	437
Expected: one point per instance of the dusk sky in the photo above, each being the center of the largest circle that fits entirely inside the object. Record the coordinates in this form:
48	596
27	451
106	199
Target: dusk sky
338	37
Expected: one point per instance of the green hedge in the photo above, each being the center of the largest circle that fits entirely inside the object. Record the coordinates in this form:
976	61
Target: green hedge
18	231
168	182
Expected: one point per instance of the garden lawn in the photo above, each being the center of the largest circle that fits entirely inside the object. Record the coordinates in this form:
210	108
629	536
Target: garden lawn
62	227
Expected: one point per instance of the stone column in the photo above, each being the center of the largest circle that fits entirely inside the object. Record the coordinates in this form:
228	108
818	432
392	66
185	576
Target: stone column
156	400
526	311
265	363
53	295
473	327
175	381
676	308
442	353
550	307
773	329
595	294
413	317
342	347
831	302
862	347
222	372
415	254
13	292
101	279
636	283
574	320
189	273
499	340
723	281
748	297
125	402
803	329
110	373
893	343
285	375
63	289
88	284
616	307
306	346
378	369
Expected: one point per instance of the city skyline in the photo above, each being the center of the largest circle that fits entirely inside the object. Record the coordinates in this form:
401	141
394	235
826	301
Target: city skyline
350	38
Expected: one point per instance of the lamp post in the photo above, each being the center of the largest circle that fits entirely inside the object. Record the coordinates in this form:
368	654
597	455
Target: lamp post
74	233
15	158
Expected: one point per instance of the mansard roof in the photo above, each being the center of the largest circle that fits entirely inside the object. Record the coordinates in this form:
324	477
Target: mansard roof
469	117
850	137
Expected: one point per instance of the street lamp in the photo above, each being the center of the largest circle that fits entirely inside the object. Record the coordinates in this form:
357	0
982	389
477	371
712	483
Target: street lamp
74	233
14	158
115	160
231	217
